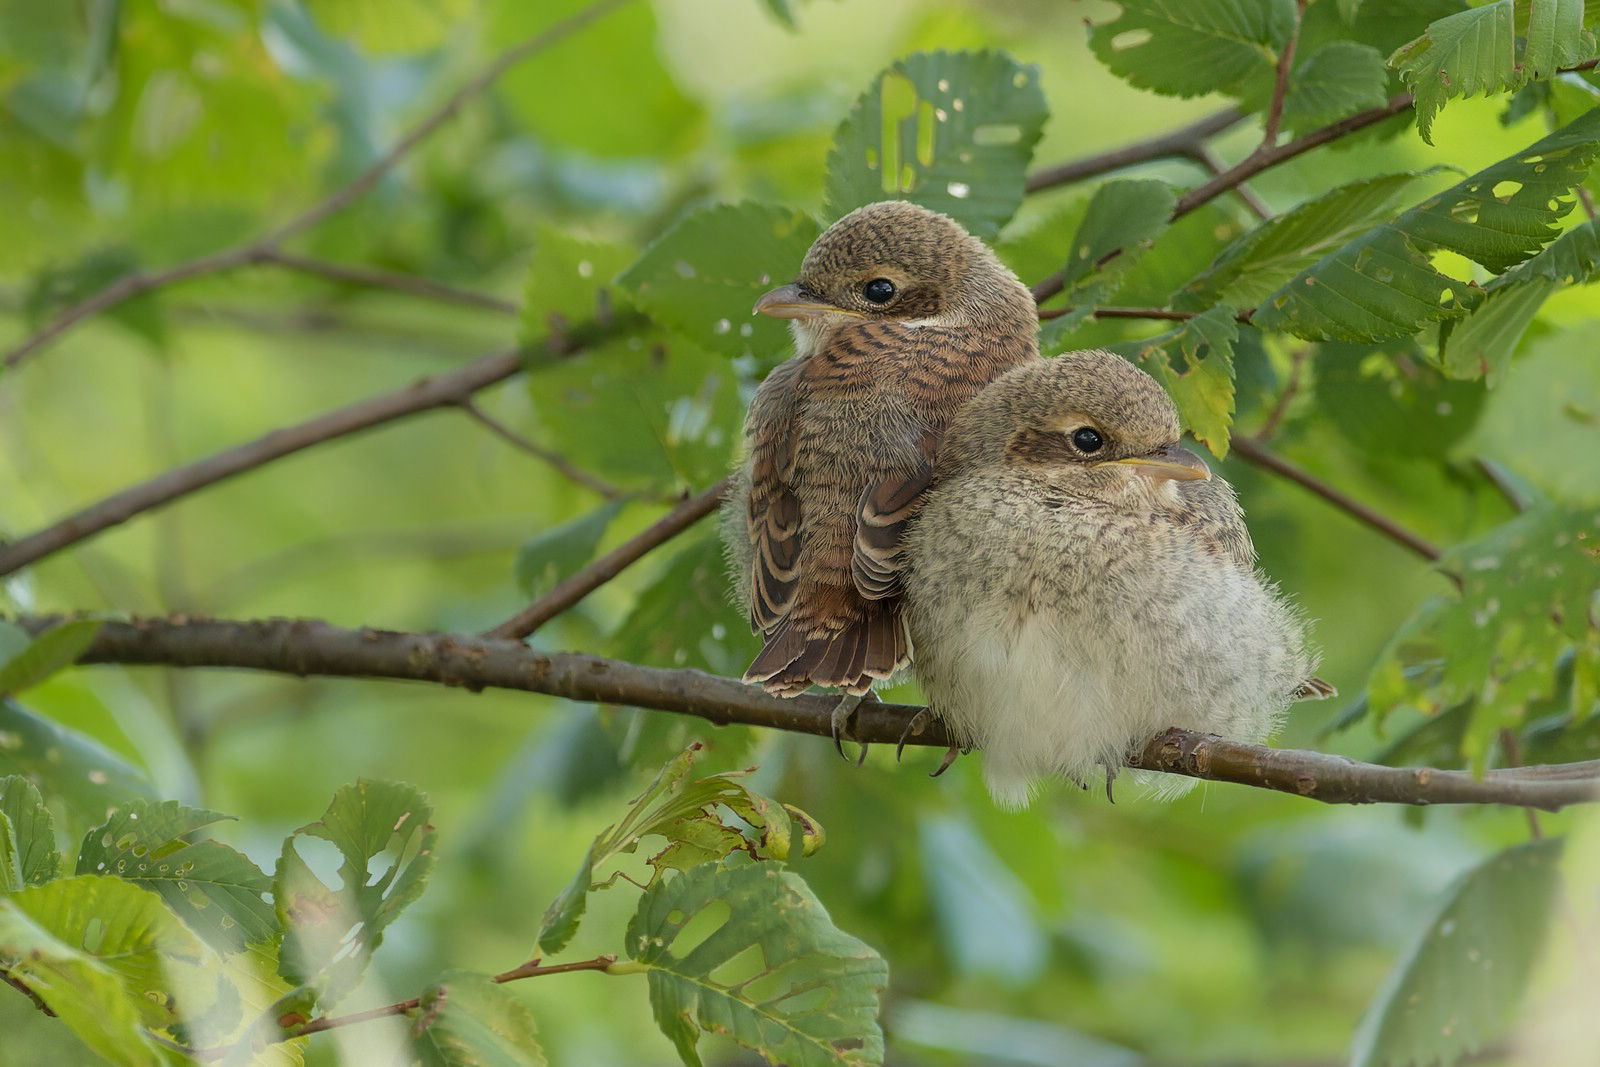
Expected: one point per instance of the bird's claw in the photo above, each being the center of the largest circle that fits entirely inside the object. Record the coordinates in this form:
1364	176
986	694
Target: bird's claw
919	722
949	760
843	712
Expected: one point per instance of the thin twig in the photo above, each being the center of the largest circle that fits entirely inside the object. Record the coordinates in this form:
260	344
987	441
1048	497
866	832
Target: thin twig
1253	451
561	464
1280	83
266	246
372	278
1498	477
579	585
1290	387
307	647
1183	142
1246	195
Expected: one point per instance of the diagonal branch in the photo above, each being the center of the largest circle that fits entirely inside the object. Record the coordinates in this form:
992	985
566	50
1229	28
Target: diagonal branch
1187	142
373	278
577	586
306	647
266	247
557	462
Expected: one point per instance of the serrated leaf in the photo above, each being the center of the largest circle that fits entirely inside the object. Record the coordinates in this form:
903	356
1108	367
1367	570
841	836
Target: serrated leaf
32	832
1389	401
1555	37
1382	283
1274	252
689	815
1194	47
1482	344
48	652
1460	983
551	555
1123	220
83	773
1337	80
1572	257
952	131
702	276
565	280
1530	587
331	933
468	1020
1195	364
774	974
216	890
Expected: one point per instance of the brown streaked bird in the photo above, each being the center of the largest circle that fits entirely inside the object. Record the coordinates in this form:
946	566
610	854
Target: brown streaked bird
899	318
1079	582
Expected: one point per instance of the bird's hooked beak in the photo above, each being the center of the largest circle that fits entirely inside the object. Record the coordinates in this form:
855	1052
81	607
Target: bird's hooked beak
793	302
1172	464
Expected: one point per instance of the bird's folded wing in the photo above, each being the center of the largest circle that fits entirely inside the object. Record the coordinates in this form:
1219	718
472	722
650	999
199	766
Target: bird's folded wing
888	504
773	516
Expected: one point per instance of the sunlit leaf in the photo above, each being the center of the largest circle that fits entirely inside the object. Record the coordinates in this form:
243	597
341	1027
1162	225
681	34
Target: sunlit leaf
215	889
749	951
385	842
952	131
702	276
1572	257
1459	984
48	652
83	773
1193	47
468	1020
1195	364
392	25
1382	284
32	832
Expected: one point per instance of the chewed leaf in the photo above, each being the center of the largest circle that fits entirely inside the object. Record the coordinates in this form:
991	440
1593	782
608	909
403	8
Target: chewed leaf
749	951
1195	364
1193	47
1530	597
953	131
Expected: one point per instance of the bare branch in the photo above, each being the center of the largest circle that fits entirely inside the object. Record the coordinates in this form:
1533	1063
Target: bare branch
561	464
372	278
574	588
264	248
1280	83
1186	142
306	647
1253	451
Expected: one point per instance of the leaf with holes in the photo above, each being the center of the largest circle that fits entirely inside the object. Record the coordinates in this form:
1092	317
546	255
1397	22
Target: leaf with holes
1530	597
1195	364
31	837
217	891
1278	249
1382	283
749	951
73	768
567	282
1337	80
329	934
1194	47
1572	257
952	131
45	654
468	1020
702	276
1459	984
689	815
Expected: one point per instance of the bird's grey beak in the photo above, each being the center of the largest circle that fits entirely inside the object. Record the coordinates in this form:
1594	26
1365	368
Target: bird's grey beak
1173	464
792	302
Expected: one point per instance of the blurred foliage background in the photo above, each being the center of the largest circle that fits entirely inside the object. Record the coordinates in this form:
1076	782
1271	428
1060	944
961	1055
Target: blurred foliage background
1233	926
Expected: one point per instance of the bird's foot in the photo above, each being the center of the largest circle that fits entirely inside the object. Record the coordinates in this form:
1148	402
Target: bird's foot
843	713
919	722
1111	776
950	755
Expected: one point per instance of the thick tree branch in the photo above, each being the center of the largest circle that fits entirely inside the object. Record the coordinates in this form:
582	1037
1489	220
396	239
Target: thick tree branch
1187	142
579	585
266	247
306	647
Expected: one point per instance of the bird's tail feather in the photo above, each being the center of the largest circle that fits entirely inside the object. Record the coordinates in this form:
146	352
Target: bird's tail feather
851	657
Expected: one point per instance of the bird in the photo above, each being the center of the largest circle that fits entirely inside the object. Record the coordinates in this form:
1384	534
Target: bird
899	317
1078	582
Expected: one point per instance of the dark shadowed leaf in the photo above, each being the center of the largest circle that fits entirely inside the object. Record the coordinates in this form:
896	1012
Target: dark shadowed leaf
1336	80
1123	219
1387	400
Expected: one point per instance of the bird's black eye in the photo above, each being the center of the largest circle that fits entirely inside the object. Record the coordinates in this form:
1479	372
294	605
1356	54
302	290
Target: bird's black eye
878	290
1087	440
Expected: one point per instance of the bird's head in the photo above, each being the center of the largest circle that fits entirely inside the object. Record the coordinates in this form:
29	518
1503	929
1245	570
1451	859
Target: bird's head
1089	421
897	262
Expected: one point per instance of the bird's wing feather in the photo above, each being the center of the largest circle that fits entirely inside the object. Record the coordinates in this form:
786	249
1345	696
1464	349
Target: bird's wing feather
773	515
888	504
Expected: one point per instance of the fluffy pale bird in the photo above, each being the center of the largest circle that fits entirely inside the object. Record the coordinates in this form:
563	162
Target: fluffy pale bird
1079	582
899	318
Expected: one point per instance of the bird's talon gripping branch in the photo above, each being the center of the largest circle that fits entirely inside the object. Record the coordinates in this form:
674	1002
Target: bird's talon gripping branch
945	764
919	722
843	713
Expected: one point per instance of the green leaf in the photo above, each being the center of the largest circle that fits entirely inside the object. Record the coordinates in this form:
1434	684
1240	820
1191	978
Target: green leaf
1459	985
702	276
750	952
83	773
1555	37
1572	257
1526	603
1194	47
468	1020
682	619
565	280
216	890
1274	252
1382	284
392	25
952	131
553	554
48	652
1482	344
1195	364
33	835
1337	80
331	933
1123	220
1388	401
689	815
